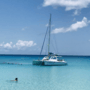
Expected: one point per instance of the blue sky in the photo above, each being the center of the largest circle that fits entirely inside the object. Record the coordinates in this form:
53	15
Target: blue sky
23	25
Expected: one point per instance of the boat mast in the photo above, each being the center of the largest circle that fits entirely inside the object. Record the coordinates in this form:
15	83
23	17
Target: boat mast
49	35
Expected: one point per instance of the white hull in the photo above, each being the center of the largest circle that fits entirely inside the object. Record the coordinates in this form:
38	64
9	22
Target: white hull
49	63
57	63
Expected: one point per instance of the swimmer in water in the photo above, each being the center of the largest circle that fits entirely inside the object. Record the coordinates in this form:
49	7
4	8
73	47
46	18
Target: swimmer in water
16	79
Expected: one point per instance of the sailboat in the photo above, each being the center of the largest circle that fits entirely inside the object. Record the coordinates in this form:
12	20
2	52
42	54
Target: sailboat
51	59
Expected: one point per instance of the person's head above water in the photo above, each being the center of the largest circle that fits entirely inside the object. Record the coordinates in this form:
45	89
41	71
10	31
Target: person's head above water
16	79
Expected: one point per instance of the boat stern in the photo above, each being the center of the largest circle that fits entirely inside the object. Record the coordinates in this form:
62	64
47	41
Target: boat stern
38	62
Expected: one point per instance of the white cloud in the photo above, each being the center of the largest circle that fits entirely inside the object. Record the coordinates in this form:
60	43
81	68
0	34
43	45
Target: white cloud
48	25
68	4
58	30
8	45
73	27
77	12
19	45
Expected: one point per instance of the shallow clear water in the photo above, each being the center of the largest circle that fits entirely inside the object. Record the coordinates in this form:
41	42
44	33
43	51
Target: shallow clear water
74	76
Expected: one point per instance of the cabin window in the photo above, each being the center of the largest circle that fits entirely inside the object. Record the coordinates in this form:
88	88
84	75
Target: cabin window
53	58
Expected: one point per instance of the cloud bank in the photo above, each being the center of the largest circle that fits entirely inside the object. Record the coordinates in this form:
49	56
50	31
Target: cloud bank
68	4
73	27
19	45
7	45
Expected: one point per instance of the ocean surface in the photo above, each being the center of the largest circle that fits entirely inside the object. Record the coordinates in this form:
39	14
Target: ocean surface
74	76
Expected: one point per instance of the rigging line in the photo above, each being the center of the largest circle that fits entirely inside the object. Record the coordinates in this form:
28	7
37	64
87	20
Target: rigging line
56	43
53	46
44	41
46	46
49	34
46	49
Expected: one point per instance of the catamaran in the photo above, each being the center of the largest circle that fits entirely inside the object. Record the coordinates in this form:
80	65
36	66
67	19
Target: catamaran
51	59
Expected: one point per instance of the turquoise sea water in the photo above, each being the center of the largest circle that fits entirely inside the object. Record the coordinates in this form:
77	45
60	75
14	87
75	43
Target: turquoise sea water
74	76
